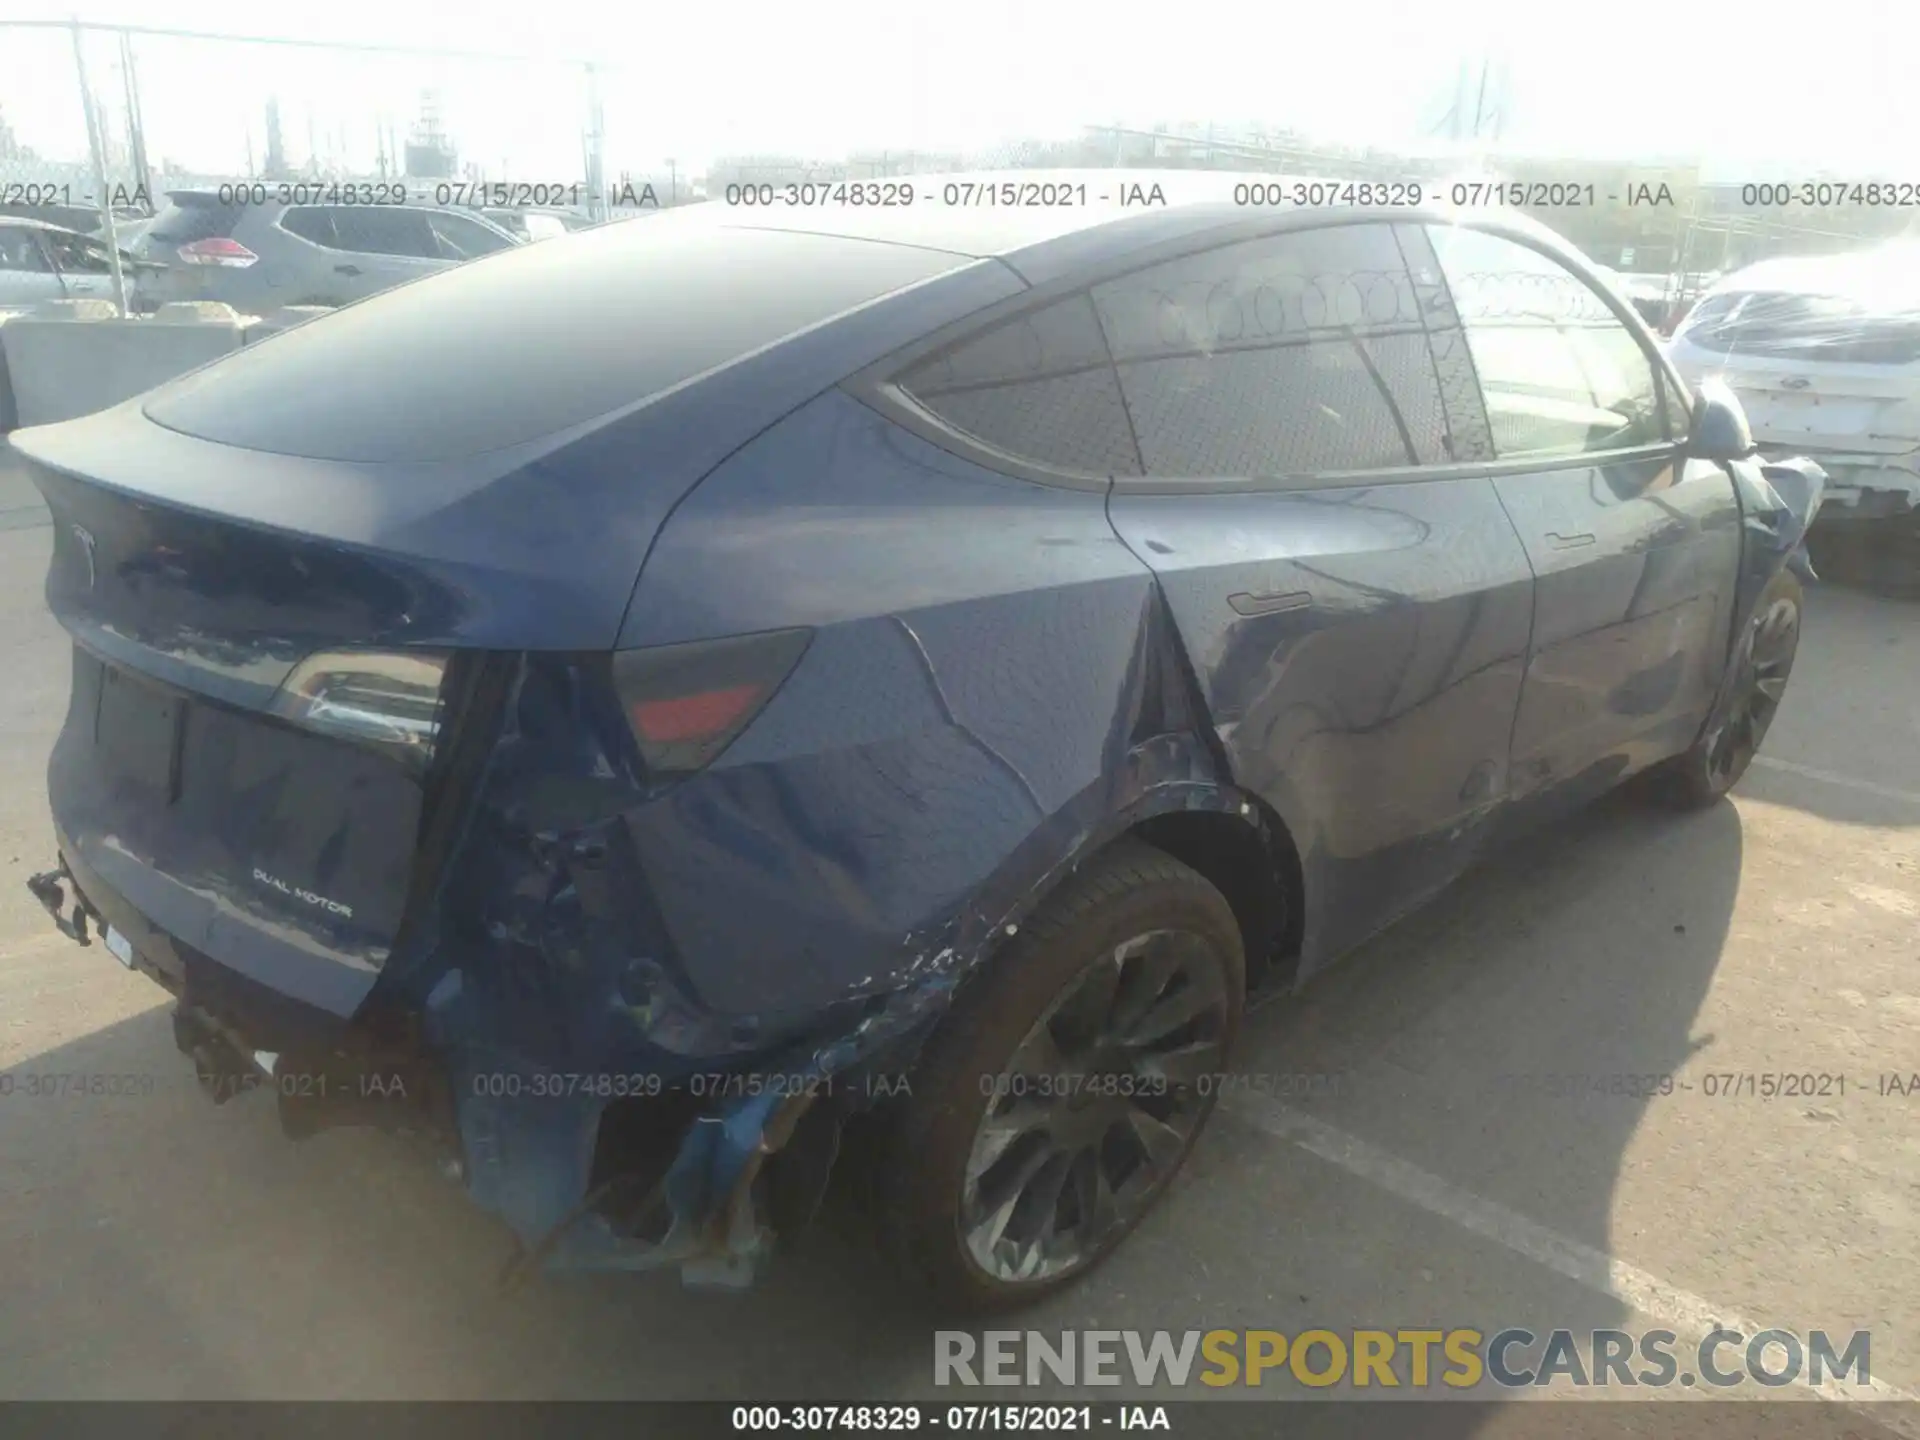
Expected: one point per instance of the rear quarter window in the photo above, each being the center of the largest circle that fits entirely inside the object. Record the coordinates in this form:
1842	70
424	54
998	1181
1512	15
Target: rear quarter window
533	340
1037	388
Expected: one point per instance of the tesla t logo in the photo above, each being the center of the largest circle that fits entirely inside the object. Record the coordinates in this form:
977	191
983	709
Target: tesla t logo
85	537
1795	382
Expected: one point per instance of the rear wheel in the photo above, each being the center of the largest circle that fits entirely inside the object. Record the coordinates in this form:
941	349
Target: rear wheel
1063	1093
1764	661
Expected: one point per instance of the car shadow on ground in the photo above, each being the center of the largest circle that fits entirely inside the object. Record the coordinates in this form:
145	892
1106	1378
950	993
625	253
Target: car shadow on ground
1845	742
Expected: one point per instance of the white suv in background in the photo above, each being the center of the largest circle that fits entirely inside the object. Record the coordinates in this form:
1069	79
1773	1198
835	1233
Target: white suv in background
1825	355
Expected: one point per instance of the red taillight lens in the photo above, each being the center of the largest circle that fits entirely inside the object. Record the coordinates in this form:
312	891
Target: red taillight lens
687	703
220	251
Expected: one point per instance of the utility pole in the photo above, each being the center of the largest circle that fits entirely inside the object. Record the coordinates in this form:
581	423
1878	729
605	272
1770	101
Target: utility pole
595	137
95	145
136	124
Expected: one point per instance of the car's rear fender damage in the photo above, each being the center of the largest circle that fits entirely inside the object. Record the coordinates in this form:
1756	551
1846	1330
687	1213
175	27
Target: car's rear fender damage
610	1114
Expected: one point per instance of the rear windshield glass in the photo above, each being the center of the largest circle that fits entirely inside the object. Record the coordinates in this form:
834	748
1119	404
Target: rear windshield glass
193	218
533	340
1834	329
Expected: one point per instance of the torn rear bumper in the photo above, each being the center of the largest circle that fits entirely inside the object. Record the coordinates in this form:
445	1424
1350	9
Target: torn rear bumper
1859	486
702	1169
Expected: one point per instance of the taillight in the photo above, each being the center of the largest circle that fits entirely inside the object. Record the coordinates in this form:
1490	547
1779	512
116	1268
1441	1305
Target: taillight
687	703
388	699
219	251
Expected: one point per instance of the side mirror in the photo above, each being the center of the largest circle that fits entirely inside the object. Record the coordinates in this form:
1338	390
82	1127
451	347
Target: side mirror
1720	430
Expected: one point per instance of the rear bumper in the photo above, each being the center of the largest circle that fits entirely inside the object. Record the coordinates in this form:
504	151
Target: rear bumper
682	1182
1860	486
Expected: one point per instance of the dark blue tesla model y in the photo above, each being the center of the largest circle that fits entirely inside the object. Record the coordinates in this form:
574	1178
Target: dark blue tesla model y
639	707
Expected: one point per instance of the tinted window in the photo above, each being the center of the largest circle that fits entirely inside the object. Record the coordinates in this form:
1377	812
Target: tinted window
365	229
1038	387
77	255
462	239
19	250
188	219
1560	373
1296	354
540	338
311	222
383	230
1468	437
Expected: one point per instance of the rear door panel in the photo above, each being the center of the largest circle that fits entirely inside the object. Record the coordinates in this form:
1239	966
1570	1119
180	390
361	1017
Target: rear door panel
1360	652
1359	643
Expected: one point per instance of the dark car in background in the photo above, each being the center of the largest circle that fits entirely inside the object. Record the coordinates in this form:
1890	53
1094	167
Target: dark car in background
257	257
648	702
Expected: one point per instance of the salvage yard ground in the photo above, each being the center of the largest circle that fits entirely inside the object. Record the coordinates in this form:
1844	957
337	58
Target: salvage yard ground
157	1246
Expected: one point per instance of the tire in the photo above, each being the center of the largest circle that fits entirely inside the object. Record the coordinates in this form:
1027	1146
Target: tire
1763	662
1138	938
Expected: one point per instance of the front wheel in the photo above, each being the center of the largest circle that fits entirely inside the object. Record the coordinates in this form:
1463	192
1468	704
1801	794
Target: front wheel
1763	663
1068	1084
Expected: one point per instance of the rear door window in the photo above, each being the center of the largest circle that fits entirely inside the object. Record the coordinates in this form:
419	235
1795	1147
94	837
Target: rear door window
384	230
311	222
460	238
77	255
365	229
1298	354
20	250
1038	388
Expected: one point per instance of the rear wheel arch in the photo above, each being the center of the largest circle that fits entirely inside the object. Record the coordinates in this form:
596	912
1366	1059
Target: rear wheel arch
1233	840
1249	856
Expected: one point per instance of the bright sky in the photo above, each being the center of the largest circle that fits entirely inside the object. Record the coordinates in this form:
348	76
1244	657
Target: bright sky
1761	92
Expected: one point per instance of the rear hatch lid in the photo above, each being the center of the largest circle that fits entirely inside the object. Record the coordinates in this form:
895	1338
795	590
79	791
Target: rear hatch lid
477	462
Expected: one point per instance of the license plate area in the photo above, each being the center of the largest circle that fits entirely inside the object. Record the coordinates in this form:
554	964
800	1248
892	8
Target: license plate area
120	947
137	732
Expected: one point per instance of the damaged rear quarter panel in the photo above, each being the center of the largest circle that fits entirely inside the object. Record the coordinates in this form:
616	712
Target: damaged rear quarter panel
991	692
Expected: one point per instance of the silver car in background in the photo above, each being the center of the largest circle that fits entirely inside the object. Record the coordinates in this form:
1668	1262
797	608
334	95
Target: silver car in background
258	256
40	261
1824	353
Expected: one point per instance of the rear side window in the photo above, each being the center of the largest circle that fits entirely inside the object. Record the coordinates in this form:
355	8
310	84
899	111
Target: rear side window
20	250
364	229
459	238
78	255
1561	375
188	219
1296	354
1038	388
311	222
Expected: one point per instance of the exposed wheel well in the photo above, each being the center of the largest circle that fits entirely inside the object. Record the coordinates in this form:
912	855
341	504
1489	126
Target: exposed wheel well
1256	868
